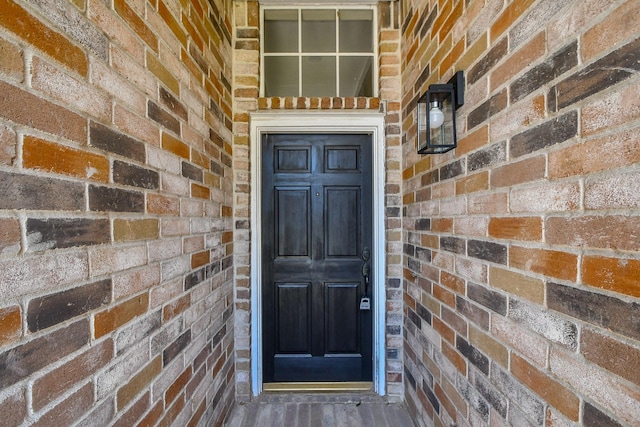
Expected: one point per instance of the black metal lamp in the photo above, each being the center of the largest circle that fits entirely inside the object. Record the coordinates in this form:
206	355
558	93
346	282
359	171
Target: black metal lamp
437	116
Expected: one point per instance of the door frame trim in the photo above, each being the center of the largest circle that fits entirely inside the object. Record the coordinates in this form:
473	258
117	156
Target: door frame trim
314	122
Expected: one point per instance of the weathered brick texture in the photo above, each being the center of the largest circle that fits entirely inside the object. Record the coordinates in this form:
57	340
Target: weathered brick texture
531	280
99	108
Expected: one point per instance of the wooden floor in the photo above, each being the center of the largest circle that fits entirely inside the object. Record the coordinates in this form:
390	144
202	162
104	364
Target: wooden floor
319	409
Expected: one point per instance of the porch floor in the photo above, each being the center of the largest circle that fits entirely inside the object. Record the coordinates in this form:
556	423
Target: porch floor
319	409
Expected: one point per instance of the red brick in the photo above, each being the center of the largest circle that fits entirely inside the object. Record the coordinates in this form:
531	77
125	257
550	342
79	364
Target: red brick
616	27
528	170
27	109
153	416
452	282
508	17
53	384
136	23
178	386
163	205
13	408
8	144
605	232
516	228
139	382
561	265
11	61
444	330
10	324
606	153
111	319
546	387
51	157
614	274
173	24
69	410
20	22
134	412
455	358
176	307
518	61
10	241
613	355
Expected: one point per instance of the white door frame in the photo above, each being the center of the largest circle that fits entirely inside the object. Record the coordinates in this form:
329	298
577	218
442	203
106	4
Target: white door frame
319	122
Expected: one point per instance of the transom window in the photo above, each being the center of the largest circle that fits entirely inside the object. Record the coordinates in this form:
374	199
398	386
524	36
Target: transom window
318	52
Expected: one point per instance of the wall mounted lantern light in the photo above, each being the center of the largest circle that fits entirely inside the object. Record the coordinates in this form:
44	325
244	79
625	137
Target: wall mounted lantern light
437	116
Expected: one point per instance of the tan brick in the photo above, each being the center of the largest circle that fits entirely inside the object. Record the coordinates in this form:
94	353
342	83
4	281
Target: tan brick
139	382
114	317
176	146
20	22
51	157
11	61
489	346
617	108
160	71
135	229
614	28
561	265
452	282
473	183
201	192
546	387
516	228
493	203
614	274
10	324
517	284
132	282
547	197
199	259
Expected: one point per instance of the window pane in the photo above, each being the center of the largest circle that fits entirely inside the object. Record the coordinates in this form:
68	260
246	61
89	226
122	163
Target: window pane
280	31
318	31
356	31
319	76
280	76
356	76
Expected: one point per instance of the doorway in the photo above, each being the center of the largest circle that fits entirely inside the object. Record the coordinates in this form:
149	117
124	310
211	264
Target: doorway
309	322
316	257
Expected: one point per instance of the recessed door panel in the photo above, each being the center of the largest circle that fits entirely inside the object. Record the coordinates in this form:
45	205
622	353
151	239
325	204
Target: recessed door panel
342	318
293	318
292	220
342	228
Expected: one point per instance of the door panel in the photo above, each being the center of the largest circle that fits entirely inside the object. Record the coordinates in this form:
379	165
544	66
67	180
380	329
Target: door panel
293	231
316	225
294	318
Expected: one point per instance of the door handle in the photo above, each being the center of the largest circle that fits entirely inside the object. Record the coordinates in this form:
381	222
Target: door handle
366	271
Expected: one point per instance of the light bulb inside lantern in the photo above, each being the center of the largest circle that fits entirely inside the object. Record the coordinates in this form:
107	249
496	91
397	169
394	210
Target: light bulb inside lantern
436	116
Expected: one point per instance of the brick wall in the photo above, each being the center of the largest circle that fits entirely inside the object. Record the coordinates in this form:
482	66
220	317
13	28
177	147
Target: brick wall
246	100
521	247
116	265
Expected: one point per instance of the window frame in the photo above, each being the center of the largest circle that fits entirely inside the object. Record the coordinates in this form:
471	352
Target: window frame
300	54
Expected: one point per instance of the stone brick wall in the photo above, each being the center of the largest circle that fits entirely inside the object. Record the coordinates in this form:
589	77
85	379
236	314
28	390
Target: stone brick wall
521	247
246	87
116	267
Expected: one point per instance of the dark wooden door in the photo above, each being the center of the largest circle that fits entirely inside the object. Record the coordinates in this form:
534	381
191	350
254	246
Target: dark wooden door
316	237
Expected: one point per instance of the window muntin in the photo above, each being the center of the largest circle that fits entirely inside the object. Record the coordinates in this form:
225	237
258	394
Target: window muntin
320	51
